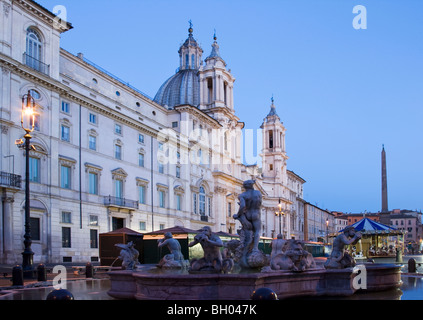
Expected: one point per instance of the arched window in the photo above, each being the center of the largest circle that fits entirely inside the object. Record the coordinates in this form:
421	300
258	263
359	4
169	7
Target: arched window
34	48
192	61
271	139
202	201
187	61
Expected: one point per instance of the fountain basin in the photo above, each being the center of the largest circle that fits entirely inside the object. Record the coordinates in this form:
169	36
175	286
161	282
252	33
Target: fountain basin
286	284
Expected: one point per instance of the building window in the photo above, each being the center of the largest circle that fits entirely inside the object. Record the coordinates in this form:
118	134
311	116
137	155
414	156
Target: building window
141	160
161	226
33	54
194	204
35	94
93	183
178	202
65	133
119	189
118	152
66	237
175	124
142	193
143	226
229	209
161	146
161	167
202	201
35	229
209	206
225	93
178	172
271	139
65	177
162	195
93	221
93	239
34	170
118	129
210	90
92	142
65	107
66	217
141	138
200	156
93	118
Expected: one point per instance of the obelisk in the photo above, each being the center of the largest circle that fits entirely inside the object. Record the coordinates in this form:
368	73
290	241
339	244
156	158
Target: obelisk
384	182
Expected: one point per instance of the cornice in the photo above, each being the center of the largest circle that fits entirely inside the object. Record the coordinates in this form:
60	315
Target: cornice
53	85
200	114
226	111
43	14
227	177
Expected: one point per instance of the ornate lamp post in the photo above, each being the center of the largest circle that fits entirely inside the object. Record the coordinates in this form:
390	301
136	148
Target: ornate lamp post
280	213
28	124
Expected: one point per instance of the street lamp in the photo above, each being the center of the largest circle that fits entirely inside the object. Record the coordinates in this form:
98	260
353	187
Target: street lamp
28	124
327	230
280	213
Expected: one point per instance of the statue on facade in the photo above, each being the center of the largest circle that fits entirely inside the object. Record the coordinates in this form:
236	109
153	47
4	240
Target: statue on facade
129	256
175	258
249	217
212	260
339	258
289	255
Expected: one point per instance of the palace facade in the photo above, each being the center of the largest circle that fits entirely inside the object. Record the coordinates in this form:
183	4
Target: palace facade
107	156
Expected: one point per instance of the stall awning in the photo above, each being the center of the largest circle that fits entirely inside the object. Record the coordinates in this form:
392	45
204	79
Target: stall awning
177	233
368	226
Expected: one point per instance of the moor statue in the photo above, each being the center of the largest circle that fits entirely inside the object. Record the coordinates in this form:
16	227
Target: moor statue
339	258
175	259
128	255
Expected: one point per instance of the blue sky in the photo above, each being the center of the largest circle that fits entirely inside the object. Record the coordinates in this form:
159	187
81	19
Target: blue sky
340	92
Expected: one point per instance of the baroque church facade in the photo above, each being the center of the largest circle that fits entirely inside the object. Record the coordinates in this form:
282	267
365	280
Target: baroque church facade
107	156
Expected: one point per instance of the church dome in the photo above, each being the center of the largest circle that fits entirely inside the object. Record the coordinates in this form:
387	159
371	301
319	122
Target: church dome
184	86
180	89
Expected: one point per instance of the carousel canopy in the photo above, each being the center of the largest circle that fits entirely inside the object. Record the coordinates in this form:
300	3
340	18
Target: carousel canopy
368	226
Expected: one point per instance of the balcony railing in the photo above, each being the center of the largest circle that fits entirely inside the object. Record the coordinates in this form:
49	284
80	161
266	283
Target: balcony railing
120	202
36	64
10	180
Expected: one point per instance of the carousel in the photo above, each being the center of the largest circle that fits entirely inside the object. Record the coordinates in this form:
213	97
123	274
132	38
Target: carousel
378	240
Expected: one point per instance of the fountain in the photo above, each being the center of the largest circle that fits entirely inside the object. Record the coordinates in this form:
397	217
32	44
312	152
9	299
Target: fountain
233	271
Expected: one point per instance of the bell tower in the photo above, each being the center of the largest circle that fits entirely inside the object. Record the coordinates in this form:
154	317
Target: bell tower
274	155
216	82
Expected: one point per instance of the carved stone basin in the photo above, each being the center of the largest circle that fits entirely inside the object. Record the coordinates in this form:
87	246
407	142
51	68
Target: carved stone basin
150	285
